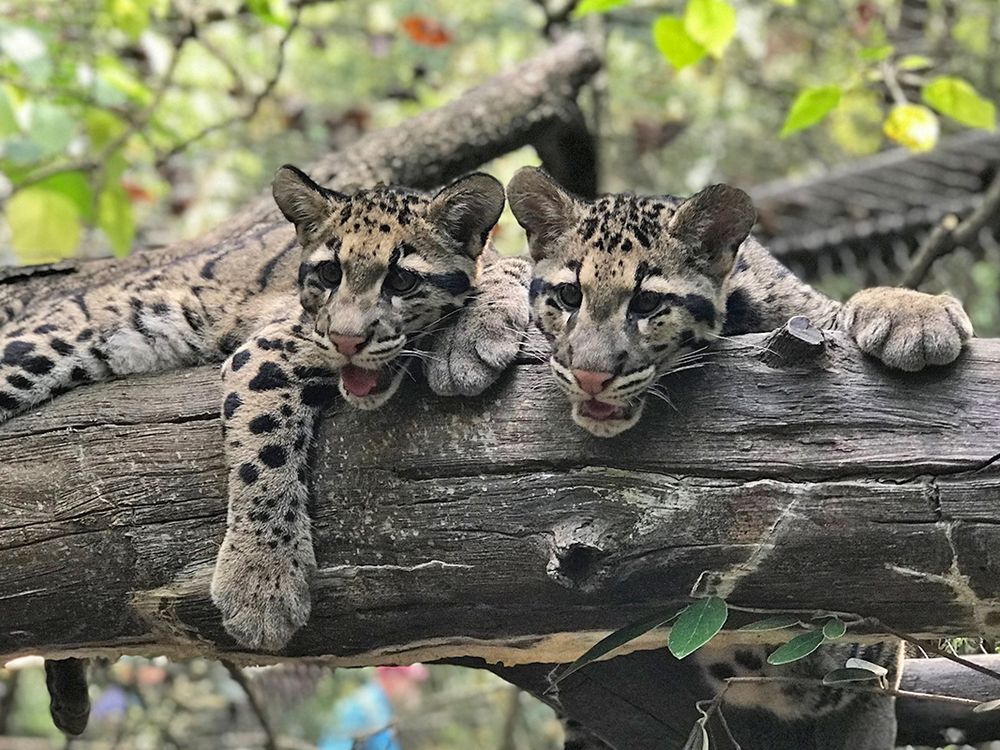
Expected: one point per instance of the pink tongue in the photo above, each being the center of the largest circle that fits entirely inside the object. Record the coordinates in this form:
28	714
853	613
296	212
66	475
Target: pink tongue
599	410
358	381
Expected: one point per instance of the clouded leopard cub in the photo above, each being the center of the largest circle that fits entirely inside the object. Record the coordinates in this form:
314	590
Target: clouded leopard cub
625	287
383	274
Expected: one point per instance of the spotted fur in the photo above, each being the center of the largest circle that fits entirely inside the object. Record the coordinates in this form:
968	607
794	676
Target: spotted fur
382	277
629	288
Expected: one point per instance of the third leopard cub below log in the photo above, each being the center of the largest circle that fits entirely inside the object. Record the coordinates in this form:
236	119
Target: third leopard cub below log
626	287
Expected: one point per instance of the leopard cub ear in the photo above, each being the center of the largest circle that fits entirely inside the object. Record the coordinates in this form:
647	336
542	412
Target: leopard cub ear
303	202
712	225
467	209
542	207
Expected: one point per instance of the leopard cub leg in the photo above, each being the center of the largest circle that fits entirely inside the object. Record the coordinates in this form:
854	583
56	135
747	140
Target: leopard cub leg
275	386
905	329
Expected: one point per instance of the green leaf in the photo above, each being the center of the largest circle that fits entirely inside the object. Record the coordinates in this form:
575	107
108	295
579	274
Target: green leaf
114	217
710	23
913	126
809	108
876	669
597	6
614	641
51	128
674	44
74	186
834	628
914	62
838	676
131	16
697	625
8	117
798	648
113	74
270	11
957	99
44	225
876	54
779	622
987	706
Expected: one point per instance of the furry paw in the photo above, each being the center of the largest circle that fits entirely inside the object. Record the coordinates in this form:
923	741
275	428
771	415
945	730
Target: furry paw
263	593
469	356
905	329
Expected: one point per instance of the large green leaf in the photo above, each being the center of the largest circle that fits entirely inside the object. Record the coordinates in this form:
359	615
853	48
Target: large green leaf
114	217
270	11
597	6
798	648
710	23
51	128
957	99
809	107
44	224
674	44
697	625
74	186
614	641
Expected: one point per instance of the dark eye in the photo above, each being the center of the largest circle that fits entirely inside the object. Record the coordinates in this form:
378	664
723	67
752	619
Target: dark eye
329	273
569	296
644	303
401	281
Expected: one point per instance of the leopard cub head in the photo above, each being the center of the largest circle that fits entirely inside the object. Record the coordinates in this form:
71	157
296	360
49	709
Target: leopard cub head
625	286
382	268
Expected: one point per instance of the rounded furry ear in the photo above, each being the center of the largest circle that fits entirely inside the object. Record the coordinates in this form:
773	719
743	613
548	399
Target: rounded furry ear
713	224
542	207
467	209
303	202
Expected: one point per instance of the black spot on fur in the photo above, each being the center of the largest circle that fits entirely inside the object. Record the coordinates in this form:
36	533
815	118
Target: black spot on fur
741	317
20	382
240	359
748	660
38	365
273	455
231	404
15	352
79	375
286	410
249	473
85	335
61	347
311	373
47	328
161	308
268	378
721	671
8	402
263	423
318	395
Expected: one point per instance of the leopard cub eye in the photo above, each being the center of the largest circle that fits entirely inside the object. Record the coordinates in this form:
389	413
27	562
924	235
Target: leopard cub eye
329	273
645	303
401	281
569	296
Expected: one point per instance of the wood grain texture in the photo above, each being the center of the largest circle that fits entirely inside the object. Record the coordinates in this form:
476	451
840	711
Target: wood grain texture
495	528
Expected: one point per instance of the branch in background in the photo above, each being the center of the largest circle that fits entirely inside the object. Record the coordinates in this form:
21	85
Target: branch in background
950	234
270	741
555	18
263	94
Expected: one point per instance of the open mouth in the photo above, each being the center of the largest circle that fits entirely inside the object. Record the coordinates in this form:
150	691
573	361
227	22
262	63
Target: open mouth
604	419
360	382
601	411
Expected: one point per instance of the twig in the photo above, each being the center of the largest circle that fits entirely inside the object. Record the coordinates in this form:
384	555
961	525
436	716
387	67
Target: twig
878	624
254	103
270	741
949	234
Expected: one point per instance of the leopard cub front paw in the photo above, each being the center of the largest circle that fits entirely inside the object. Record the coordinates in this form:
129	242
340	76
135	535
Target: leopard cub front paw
905	329
263	595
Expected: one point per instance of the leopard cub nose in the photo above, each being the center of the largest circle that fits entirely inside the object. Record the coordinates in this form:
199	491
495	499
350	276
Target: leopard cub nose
347	345
592	382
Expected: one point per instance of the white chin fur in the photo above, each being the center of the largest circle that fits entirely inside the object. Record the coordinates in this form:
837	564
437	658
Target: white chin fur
375	400
607	427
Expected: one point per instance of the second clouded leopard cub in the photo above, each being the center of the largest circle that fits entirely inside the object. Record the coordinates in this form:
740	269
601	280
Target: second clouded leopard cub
624	288
383	275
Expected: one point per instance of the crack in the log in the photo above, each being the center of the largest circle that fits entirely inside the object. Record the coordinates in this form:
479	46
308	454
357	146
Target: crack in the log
8	431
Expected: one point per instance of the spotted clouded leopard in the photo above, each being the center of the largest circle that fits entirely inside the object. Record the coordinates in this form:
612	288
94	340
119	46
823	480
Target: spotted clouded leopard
383	275
628	288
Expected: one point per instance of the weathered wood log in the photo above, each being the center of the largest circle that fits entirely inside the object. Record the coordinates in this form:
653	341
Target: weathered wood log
495	528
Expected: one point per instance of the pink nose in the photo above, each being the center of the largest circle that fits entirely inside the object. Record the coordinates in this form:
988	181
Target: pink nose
592	382
347	345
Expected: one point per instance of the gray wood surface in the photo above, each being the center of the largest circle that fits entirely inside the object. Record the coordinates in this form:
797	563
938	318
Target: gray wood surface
496	528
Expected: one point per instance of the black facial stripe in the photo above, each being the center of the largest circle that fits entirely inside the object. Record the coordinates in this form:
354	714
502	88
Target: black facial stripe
379	347
626	379
453	282
700	307
304	270
538	287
